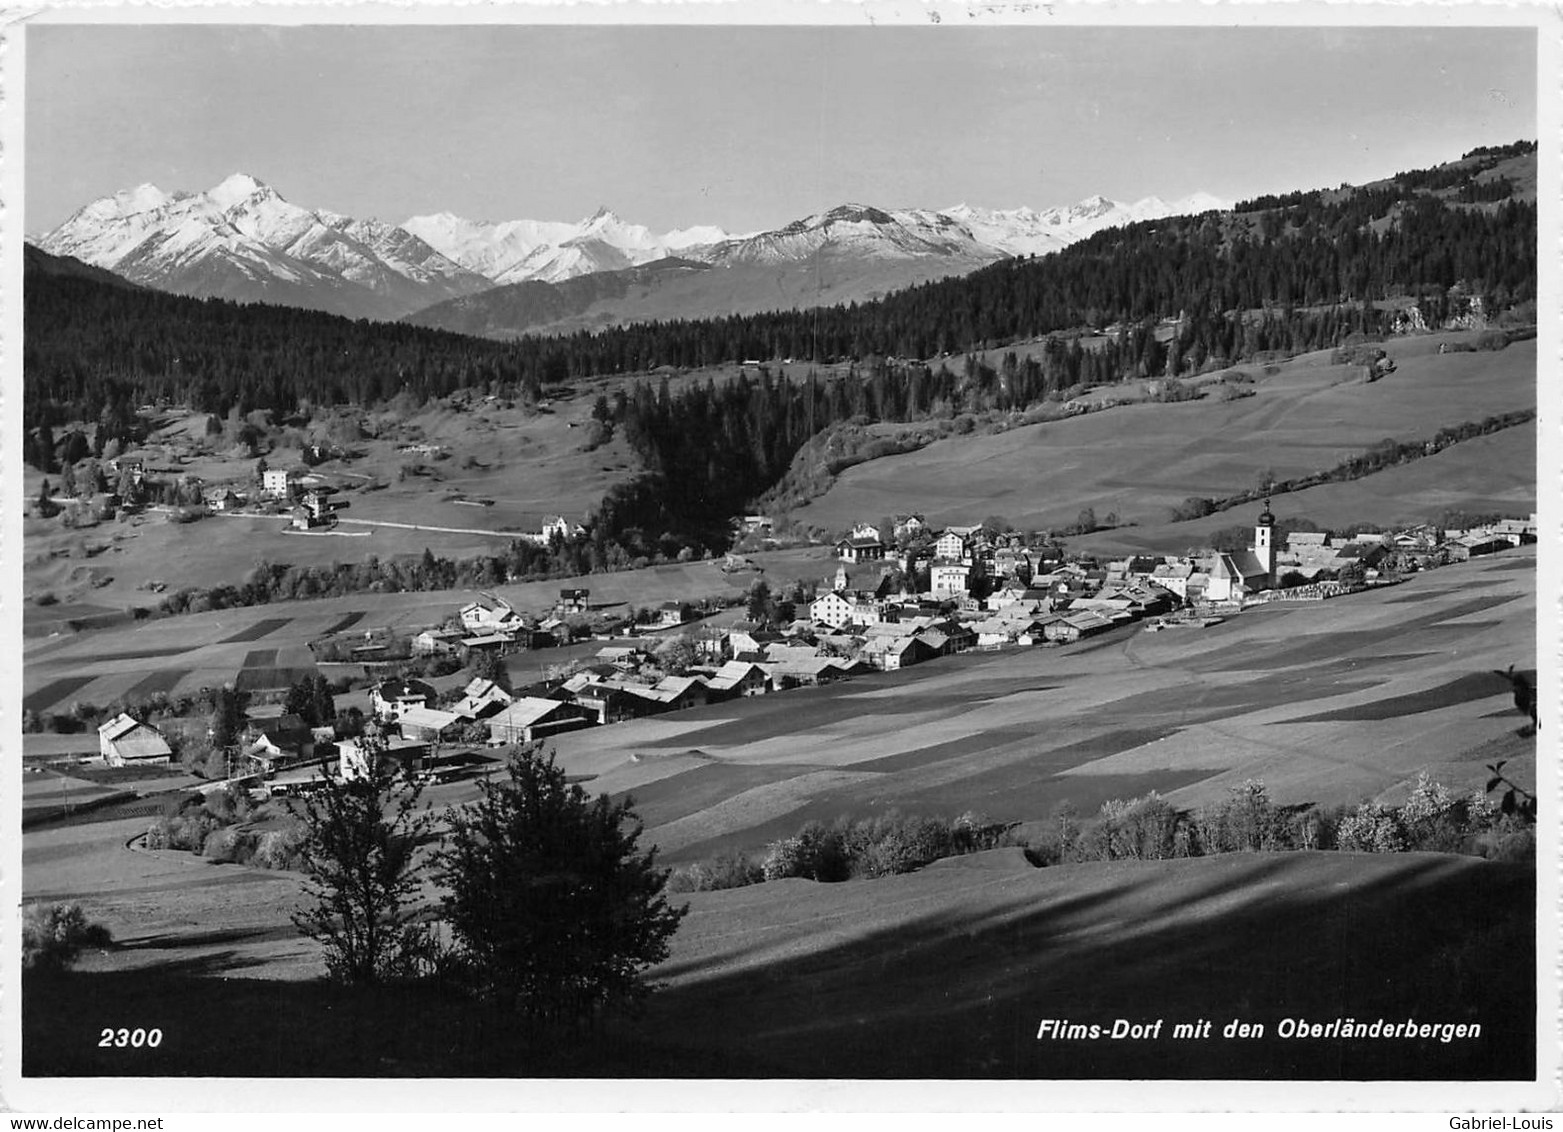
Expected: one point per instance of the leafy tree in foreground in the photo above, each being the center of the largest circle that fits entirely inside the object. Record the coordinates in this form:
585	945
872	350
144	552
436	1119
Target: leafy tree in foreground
553	909
362	837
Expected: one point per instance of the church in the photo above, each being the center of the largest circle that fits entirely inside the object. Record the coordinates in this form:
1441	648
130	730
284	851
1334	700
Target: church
1244	573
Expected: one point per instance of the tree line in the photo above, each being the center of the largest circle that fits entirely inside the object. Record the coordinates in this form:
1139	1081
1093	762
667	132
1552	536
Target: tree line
1321	249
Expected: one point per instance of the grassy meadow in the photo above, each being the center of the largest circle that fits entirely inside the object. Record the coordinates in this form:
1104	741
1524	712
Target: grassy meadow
1141	460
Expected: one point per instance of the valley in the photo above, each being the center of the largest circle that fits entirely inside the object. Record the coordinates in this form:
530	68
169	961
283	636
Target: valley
940	733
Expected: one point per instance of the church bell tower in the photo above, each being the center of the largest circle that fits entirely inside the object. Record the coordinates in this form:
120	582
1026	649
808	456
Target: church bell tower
1264	540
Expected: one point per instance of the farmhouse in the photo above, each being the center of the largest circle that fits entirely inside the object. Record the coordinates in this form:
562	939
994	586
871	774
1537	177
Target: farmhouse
483	698
223	499
892	653
574	600
680	692
479	617
531	718
740	678
1073	626
406	755
496	643
430	724
390	697
670	614
126	741
435	642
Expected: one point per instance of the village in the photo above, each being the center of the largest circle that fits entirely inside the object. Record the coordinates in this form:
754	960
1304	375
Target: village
893	602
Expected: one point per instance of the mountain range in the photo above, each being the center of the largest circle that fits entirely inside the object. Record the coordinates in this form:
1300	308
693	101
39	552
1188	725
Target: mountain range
242	240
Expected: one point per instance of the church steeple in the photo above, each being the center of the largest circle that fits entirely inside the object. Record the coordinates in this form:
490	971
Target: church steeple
1264	539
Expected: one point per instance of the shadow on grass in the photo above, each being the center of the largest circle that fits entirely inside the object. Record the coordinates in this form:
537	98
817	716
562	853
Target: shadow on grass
808	981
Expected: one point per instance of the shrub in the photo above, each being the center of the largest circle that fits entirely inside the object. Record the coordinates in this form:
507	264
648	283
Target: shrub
280	849
731	869
1373	828
228	845
54	935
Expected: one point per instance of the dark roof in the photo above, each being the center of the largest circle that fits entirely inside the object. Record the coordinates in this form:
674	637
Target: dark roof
396	689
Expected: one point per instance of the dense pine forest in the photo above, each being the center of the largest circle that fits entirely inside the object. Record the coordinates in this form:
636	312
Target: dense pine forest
1275	275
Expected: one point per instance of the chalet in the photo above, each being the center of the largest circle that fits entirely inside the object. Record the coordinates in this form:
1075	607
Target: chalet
670	614
1519	532
995	631
389	698
135	465
530	718
1073	626
949	637
1174	577
860	549
1365	554
755	524
281	735
621	656
223	499
574	600
406	755
740	678
436	642
499	644
614	701
556	629
430	724
748	640
485	617
482	699
126	741
1474	545
893	653
557	526
1138	598
682	691
804	671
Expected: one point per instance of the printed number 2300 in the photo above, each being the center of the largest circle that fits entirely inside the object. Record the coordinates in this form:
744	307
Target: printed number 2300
119	1039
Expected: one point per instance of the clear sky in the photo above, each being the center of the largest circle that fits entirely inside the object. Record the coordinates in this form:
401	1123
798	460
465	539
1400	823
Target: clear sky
751	127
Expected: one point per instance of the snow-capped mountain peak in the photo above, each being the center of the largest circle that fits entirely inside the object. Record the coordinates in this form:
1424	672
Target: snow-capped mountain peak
237	188
242	239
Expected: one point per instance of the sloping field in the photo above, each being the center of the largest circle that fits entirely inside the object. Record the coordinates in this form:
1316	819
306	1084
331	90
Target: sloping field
950	972
1326	702
944	973
947	972
1141	460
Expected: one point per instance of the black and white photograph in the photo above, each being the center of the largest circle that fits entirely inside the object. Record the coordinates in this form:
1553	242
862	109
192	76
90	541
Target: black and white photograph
704	544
